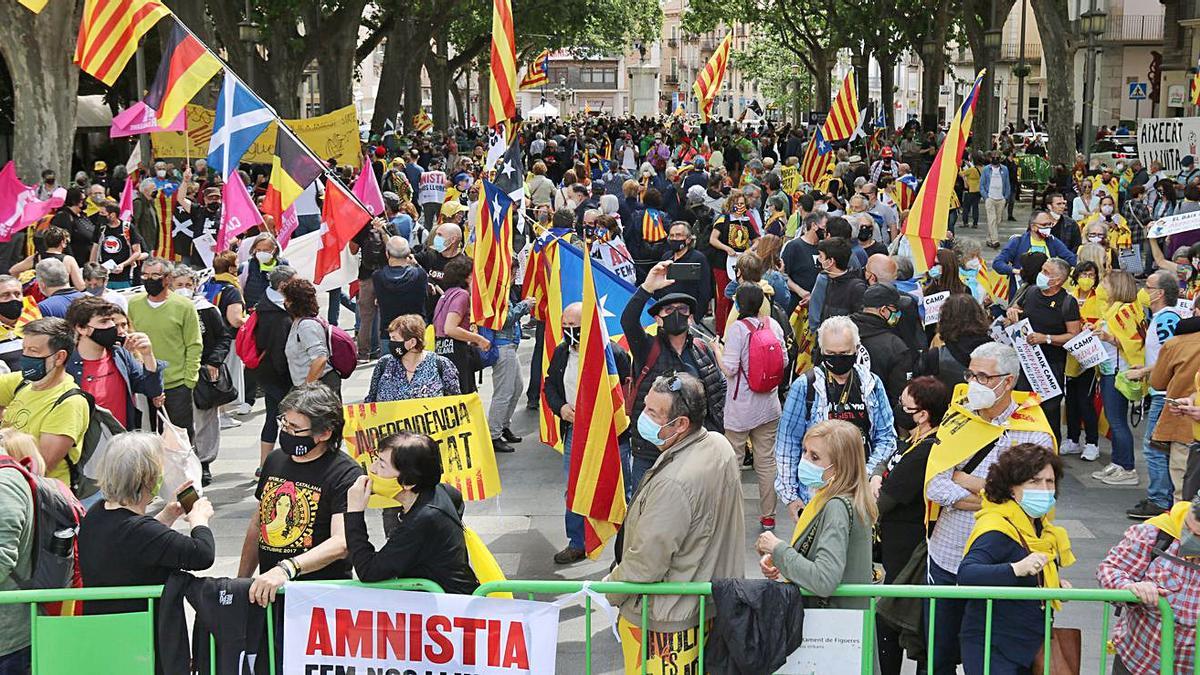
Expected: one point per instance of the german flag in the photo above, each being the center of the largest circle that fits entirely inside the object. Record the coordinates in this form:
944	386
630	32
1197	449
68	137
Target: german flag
292	170
185	68
109	33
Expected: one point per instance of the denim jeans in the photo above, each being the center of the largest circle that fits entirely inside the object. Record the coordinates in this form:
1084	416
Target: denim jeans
947	624
970	208
15	663
1158	463
337	300
1116	410
574	521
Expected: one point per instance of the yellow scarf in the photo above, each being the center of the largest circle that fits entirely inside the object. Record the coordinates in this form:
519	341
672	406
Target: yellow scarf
962	433
809	514
228	278
1011	520
1171	522
1126	322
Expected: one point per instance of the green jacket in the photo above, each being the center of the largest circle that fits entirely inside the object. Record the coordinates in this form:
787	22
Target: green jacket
840	553
16	548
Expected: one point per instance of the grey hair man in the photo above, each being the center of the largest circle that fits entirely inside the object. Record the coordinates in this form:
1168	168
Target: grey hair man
399	287
55	281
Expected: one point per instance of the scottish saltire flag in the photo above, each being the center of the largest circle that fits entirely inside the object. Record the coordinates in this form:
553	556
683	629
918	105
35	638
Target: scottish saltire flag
241	119
612	292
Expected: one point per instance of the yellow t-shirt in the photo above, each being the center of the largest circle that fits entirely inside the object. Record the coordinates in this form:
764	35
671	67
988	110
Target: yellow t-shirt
34	412
970	176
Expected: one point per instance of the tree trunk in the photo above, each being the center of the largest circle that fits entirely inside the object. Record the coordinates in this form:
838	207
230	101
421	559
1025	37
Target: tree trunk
481	113
975	21
334	38
439	89
887	87
821	71
392	75
279	77
1059	52
862	72
412	88
460	104
934	67
37	50
798	101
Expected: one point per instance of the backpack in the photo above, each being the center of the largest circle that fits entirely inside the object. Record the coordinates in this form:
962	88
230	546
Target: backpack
55	510
765	359
492	355
101	427
343	351
244	343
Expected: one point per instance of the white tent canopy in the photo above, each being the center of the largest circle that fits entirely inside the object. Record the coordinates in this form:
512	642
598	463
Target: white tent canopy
543	111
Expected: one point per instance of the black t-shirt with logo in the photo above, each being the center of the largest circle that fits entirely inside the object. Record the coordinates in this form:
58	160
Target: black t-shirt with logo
800	263
296	503
1049	316
736	232
846	403
116	244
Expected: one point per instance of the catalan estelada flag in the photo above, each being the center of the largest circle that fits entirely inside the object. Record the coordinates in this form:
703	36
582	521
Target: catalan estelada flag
708	81
930	213
421	122
109	33
595	486
818	157
492	275
292	170
502	101
537	74
844	114
185	68
904	191
548	429
654	226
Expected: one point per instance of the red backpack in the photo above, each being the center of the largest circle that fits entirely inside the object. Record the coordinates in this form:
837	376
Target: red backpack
343	350
766	359
244	343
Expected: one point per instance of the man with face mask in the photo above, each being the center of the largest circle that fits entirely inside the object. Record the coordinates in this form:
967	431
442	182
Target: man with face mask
958	465
41	398
1065	229
840	387
119	247
801	260
1155	560
681	249
446	245
109	366
995	189
562	387
1037	237
145	214
15	312
672	350
163	182
878	324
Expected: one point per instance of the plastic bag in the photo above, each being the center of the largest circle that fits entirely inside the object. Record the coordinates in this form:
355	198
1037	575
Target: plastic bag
180	464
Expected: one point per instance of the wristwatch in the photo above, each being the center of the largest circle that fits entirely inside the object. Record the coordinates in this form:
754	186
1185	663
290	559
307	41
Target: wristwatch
1048	340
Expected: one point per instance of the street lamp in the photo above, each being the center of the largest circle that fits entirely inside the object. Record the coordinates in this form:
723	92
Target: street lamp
930	92
562	93
1093	23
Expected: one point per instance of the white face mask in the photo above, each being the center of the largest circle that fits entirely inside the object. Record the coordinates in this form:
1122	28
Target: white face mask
263	257
185	292
1106	210
980	396
1055	215
1095	238
973	264
161	173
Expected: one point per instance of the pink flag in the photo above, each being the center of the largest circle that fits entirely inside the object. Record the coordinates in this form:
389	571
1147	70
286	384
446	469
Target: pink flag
140	118
19	205
238	213
284	229
126	214
366	188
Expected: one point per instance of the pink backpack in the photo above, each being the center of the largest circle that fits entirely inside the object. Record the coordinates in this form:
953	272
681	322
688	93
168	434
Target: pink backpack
766	360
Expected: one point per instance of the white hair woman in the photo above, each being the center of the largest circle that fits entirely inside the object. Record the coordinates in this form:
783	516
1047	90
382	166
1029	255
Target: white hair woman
119	545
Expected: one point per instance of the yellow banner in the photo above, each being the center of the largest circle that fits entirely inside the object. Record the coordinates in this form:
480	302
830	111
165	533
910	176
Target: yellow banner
457	423
789	178
334	135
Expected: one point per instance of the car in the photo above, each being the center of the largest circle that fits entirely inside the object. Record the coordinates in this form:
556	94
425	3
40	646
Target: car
1112	149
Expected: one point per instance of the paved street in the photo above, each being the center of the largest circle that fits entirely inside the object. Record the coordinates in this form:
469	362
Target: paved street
524	524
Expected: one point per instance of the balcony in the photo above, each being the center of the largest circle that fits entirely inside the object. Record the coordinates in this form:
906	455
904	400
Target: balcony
672	43
1134	28
1012	52
708	45
672	79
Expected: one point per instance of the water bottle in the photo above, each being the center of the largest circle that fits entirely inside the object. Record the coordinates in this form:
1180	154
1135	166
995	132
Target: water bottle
63	543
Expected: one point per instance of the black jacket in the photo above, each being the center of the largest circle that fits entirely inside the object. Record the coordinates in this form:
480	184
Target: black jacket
271	334
224	611
215	335
948	361
910	328
556	392
758	624
891	359
428	543
1067	231
697	358
843	295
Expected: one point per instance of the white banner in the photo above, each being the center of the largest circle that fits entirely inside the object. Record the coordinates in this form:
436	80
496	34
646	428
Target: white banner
1033	362
1087	349
833	643
1168	140
932	304
1183	222
345	629
997	331
1185	307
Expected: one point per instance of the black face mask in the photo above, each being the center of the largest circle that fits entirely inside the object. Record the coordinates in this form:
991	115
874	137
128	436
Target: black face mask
677	245
572	334
153	286
904	419
675	324
398	349
213	208
11	309
296	446
105	337
839	364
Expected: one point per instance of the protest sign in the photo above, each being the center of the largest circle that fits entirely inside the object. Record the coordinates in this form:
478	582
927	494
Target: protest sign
789	179
833	643
997	331
334	135
345	629
457	423
1168	140
1185	306
1087	349
932	304
1033	362
1172	225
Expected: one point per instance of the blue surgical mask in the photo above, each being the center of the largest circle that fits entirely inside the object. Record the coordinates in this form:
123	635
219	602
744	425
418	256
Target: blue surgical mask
33	368
935	272
649	430
439	243
1037	503
810	475
1043	281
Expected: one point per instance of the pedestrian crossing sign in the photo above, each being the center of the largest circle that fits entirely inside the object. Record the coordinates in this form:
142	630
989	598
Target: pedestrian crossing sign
1137	91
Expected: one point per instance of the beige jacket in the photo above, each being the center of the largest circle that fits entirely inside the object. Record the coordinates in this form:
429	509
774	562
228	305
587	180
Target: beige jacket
685	524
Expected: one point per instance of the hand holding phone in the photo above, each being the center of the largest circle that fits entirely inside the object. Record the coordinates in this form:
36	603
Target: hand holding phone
684	271
187	498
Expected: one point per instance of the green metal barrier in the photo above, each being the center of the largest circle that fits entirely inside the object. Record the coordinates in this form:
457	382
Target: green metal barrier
873	592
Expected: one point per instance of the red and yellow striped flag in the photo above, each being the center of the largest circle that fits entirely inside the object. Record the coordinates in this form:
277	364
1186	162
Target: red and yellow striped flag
843	113
421	122
993	282
595	486
708	81
491	276
930	214
109	33
502	98
537	74
551	286
818	157
1194	87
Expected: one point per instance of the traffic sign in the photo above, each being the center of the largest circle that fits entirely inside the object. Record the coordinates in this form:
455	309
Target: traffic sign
1137	91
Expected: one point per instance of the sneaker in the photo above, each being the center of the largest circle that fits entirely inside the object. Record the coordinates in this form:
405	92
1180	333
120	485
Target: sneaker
767	523
1144	510
1090	453
1070	447
1121	477
569	555
244	409
205	475
747	461
1105	472
498	445
228	422
509	436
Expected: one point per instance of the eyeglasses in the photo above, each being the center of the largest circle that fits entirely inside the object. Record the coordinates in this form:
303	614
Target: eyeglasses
287	426
982	378
153	276
682	310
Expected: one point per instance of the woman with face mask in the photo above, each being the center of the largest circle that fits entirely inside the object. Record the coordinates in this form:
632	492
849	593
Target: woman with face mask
1014	543
264	258
1081	414
218	342
1115	231
407	370
1120	333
